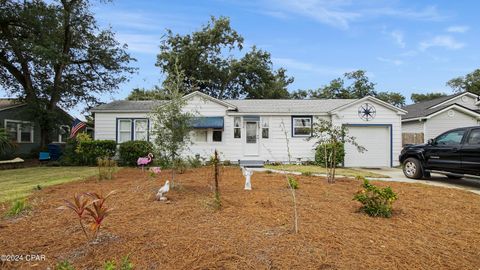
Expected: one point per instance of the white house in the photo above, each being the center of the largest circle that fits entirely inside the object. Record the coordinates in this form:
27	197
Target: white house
431	118
255	129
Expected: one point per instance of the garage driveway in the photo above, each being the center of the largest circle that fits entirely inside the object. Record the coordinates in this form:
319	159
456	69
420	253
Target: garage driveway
396	175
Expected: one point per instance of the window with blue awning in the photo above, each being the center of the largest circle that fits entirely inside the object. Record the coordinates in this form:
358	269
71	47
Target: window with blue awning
215	122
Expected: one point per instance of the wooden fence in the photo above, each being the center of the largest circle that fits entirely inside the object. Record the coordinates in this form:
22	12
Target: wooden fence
412	138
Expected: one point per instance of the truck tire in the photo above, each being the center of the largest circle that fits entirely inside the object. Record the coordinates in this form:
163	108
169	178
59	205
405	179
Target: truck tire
412	168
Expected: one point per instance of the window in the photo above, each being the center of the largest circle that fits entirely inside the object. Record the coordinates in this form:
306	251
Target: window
217	136
19	131
200	135
450	138
237	124
265	128
132	129
301	126
141	129
474	137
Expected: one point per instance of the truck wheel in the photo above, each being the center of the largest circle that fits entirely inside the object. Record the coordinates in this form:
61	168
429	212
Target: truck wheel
412	168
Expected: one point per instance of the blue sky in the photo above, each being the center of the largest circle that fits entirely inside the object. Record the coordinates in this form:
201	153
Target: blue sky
405	46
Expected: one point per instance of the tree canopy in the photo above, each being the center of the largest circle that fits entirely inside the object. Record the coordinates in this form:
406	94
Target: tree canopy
417	98
355	84
54	54
469	82
208	59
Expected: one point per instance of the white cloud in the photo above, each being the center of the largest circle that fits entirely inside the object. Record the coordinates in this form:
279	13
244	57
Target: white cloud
341	13
398	38
443	41
290	63
457	29
395	62
142	43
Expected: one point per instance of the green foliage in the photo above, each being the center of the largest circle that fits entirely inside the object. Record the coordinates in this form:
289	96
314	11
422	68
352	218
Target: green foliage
126	264
268	172
64	265
292	182
89	151
469	82
130	151
144	94
106	168
208	59
325	152
109	265
377	202
17	207
394	98
194	162
5	143
227	163
417	98
54	53
307	173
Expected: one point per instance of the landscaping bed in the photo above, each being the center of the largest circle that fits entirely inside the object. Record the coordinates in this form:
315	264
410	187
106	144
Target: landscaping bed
431	227
313	169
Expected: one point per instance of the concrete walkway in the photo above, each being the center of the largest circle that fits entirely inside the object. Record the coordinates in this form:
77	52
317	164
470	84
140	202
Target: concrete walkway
396	175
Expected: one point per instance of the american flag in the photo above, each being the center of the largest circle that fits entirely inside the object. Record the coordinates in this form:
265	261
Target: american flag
76	126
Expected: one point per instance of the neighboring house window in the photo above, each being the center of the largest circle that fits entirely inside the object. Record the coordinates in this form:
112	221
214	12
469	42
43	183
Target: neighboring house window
132	129
237	131
301	126
265	129
19	131
141	129
200	135
217	135
450	138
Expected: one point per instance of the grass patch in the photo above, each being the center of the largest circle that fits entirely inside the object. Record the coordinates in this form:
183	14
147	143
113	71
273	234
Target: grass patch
19	183
17	207
311	169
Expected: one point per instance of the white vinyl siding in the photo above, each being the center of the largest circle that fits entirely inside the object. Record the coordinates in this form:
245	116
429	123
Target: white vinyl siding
443	122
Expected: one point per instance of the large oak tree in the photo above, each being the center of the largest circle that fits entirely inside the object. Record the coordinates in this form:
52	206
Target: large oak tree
54	54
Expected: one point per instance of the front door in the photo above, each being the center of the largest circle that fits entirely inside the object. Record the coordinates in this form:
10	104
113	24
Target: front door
444	152
251	139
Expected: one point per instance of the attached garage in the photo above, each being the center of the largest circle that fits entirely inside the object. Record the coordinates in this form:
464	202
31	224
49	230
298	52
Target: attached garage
376	139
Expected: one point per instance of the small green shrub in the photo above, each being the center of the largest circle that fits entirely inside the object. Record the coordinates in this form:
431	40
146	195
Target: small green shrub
377	202
64	265
320	156
17	207
109	265
106	168
130	151
268	172
181	165
227	163
90	151
307	173
126	264
292	182
194	162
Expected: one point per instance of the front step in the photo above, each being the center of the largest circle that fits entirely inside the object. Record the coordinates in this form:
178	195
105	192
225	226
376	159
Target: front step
251	163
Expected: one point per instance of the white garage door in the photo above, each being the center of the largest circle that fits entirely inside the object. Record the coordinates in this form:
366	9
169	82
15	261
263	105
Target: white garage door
376	139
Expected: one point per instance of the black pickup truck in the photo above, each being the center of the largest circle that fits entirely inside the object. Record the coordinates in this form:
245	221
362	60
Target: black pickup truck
454	153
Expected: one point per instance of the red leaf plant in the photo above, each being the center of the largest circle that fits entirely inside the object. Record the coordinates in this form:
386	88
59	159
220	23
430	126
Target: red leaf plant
90	204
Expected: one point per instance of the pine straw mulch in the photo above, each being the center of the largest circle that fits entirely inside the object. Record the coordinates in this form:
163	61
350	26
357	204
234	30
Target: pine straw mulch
432	227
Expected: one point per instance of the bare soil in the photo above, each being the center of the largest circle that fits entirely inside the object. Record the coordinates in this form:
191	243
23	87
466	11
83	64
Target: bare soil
432	227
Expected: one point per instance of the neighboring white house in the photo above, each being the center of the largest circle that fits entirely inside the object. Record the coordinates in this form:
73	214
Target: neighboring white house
431	118
252	129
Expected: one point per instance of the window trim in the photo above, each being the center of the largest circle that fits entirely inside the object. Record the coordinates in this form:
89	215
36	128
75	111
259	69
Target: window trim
132	128
239	127
301	117
134	135
59	137
19	132
265	120
195	137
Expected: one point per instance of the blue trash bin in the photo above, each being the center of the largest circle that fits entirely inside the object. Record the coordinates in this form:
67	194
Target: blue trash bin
55	151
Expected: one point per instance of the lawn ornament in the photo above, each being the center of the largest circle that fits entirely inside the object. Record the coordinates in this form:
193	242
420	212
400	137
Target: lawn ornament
156	170
142	161
161	192
247	173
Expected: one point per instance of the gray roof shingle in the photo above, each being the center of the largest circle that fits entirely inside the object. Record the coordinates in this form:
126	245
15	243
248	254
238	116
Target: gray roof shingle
244	106
424	109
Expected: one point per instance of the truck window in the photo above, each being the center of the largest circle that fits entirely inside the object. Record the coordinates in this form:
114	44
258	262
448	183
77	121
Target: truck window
450	138
474	137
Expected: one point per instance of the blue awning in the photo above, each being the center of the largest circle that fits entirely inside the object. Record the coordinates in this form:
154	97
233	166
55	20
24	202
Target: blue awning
208	122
